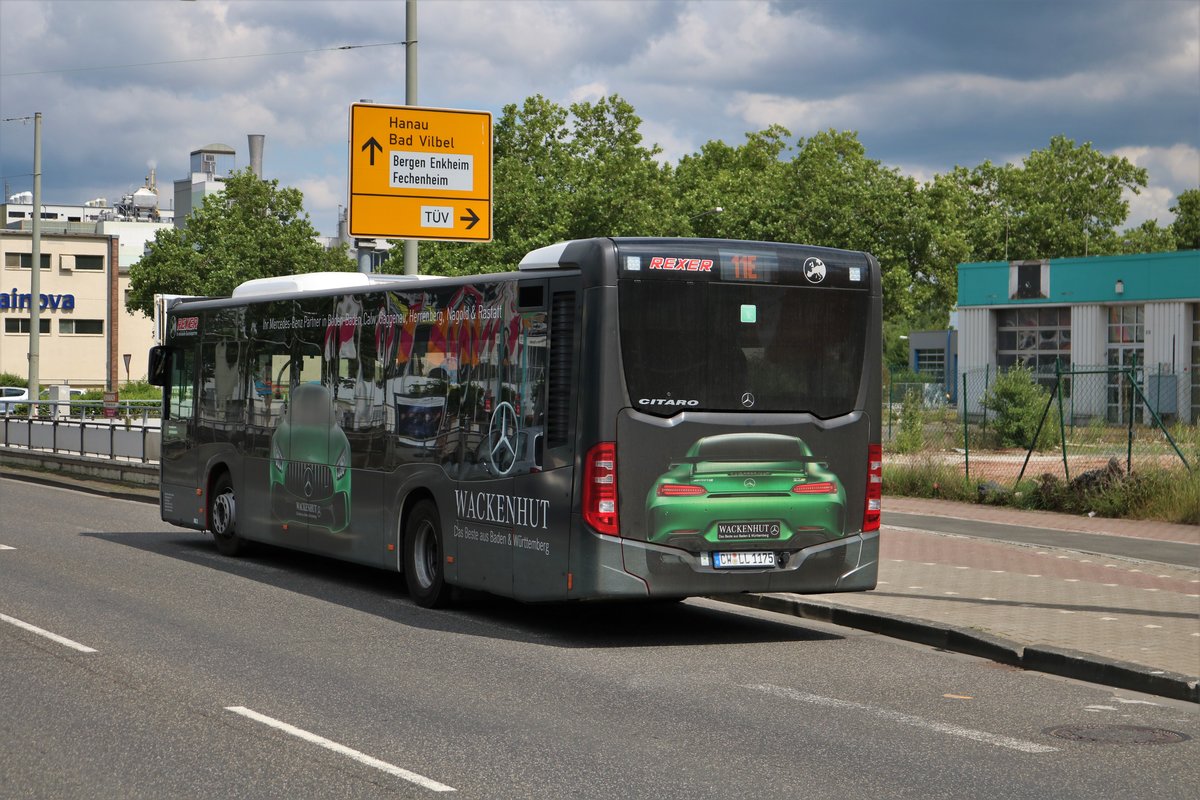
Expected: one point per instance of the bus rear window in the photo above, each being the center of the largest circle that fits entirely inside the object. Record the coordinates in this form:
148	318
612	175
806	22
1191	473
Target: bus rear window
709	346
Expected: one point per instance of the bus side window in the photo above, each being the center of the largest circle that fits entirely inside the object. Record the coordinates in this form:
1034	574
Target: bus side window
182	388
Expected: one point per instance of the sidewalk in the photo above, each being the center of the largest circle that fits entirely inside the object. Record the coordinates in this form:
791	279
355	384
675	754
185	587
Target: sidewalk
1060	610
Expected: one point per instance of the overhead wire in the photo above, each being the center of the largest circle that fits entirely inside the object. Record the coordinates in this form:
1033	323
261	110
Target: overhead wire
197	60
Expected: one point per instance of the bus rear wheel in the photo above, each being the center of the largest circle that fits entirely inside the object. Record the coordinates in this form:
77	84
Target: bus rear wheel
222	517
423	557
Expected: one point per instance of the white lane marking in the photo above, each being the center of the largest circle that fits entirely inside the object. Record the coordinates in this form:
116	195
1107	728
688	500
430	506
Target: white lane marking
341	749
905	719
6	547
1133	702
51	636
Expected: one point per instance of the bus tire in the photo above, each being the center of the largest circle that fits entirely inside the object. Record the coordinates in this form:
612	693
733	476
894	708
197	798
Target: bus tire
424	558
222	517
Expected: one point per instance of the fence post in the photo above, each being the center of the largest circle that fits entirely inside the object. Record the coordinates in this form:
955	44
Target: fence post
1062	425
987	380
1159	424
966	435
1037	435
1132	384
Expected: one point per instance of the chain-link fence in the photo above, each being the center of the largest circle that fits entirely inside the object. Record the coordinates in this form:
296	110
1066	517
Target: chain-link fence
1007	424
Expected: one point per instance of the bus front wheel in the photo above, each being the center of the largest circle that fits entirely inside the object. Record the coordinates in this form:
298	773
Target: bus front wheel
423	557
222	517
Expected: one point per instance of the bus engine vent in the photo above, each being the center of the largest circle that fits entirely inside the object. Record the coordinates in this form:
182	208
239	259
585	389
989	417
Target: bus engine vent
562	346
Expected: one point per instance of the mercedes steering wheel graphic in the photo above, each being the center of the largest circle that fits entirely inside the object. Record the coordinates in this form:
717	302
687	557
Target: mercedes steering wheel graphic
502	438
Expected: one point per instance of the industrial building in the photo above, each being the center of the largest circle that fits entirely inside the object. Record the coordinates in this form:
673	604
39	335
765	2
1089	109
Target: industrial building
1133	312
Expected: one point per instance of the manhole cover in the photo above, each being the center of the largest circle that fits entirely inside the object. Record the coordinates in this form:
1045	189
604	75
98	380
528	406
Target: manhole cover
1116	734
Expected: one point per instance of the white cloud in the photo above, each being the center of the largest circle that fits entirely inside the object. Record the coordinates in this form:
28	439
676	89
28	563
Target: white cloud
1172	170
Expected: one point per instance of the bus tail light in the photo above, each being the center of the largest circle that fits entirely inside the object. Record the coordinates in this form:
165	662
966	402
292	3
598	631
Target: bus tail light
874	504
823	487
600	489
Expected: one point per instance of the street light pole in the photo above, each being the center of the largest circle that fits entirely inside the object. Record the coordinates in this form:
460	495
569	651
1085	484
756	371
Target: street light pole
35	267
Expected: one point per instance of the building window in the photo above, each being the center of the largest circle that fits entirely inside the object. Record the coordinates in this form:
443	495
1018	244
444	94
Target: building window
932	363
21	325
1126	343
80	327
1034	338
25	260
89	263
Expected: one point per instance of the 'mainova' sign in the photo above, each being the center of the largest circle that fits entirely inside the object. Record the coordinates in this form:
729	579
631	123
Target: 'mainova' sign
15	300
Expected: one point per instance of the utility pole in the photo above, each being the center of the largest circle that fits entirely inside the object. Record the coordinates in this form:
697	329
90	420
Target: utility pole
35	268
410	99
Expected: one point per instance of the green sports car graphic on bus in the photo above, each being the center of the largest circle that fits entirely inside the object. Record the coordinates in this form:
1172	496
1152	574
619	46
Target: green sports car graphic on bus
747	488
310	462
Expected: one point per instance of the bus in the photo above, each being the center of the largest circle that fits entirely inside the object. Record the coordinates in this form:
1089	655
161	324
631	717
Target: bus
616	418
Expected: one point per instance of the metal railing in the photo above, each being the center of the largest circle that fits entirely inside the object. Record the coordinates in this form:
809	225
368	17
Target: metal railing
133	436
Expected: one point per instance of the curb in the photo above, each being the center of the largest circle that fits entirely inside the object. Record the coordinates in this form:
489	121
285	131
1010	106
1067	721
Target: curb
1038	658
103	488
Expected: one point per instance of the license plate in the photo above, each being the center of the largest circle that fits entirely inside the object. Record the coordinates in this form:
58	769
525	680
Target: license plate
758	529
743	558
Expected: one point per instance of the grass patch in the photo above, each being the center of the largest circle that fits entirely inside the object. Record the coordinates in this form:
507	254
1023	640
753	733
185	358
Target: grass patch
1166	495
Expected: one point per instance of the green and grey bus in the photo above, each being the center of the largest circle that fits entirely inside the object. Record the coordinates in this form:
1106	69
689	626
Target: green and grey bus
617	418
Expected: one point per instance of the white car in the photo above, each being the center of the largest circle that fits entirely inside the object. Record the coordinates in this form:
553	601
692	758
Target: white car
11	396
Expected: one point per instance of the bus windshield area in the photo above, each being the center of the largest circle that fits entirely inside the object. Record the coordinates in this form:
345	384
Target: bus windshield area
710	346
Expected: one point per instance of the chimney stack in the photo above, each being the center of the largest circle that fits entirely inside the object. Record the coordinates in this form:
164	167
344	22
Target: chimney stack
256	153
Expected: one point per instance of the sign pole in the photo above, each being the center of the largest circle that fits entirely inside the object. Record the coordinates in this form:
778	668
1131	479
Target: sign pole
410	99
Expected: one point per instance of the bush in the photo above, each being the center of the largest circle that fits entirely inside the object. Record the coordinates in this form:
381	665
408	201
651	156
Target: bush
1168	495
13	379
911	436
137	390
1017	403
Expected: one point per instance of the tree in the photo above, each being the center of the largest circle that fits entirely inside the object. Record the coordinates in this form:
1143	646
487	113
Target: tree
1147	238
250	229
746	182
1186	227
824	191
1066	200
562	174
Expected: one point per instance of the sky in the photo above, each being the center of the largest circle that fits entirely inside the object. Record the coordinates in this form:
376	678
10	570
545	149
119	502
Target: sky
126	86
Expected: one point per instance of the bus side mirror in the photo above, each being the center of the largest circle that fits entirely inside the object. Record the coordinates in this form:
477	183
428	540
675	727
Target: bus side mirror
159	369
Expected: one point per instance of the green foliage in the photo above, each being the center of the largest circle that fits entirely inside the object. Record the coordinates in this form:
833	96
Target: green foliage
1167	495
562	173
927	479
251	229
1186	227
1017	403
1146	238
139	390
13	379
1065	200
911	436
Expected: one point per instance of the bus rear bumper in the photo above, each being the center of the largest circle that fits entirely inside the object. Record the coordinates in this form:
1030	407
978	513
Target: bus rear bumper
630	568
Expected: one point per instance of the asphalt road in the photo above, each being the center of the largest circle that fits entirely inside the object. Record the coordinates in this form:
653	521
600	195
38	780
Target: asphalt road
283	675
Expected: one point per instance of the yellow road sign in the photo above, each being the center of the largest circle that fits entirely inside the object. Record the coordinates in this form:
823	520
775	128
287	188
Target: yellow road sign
420	173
